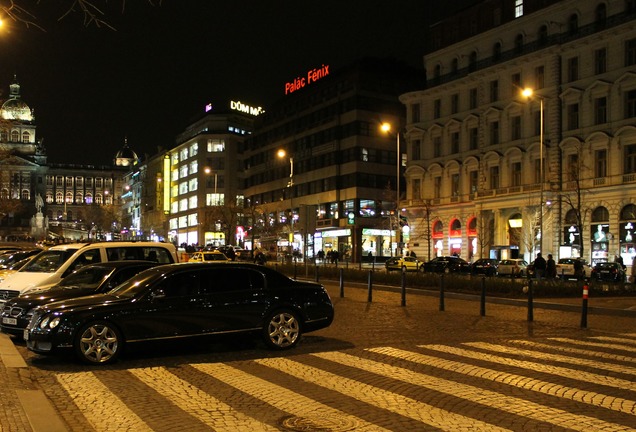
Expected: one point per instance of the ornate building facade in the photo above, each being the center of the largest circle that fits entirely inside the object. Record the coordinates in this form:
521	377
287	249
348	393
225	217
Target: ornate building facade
492	173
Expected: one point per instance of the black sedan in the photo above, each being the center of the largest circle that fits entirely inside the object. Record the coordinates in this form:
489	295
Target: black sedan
179	301
608	271
92	279
446	264
484	266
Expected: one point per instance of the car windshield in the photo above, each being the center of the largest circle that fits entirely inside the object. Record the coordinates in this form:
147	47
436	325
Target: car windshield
48	261
138	283
87	277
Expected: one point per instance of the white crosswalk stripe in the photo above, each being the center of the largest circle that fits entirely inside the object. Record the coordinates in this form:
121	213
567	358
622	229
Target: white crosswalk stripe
466	386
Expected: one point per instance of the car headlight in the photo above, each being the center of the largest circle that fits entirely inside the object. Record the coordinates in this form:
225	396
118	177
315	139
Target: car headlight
49	322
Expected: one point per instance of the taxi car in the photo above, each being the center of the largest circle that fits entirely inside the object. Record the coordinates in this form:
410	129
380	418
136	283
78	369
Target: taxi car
205	256
406	263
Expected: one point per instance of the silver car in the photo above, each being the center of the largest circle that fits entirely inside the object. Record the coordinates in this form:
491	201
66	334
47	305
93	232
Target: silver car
514	267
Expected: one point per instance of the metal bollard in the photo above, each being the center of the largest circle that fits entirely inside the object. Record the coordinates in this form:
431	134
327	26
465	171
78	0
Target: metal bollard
441	292
403	287
482	310
341	283
370	296
530	302
586	290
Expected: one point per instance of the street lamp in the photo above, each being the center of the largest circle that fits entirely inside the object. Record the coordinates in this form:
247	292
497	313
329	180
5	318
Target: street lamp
386	127
282	154
207	171
529	93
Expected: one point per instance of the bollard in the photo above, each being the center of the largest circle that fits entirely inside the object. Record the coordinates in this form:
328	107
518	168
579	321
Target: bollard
482	310
586	290
370	296
441	292
341	283
530	300
403	286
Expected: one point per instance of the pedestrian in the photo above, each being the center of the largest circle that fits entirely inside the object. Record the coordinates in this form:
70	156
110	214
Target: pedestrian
550	268
619	259
539	266
578	269
633	277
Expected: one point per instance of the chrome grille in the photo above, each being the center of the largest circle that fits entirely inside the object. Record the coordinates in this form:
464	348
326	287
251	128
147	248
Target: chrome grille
8	294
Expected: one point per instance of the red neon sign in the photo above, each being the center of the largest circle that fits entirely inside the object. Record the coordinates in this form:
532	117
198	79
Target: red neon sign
313	75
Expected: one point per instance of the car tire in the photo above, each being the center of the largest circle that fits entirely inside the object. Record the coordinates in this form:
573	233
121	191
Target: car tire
98	342
282	330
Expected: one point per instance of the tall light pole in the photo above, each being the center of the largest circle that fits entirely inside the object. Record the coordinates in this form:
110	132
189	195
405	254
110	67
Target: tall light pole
282	154
207	171
386	127
528	93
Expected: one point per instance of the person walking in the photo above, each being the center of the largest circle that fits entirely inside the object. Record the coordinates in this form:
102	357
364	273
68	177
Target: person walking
550	268
539	266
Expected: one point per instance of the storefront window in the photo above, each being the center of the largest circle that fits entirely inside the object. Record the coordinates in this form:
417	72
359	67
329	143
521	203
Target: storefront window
627	238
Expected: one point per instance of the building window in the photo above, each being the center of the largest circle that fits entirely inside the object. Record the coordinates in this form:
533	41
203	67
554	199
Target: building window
494	132
573	167
600	61
473	98
437	187
473	136
539	77
494	177
573	69
455	103
455	184
600	163
573	24
26	137
536	120
455	142
630	104
518	8
515	80
630	159
630	52
494	91
515	174
437	108
415	113
416	150
600	110
215	145
417	189
573	116
437	146
515	127
473	181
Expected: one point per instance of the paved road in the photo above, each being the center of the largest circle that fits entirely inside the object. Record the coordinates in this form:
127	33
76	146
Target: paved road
380	366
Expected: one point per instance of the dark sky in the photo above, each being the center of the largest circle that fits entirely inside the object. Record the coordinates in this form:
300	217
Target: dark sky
92	87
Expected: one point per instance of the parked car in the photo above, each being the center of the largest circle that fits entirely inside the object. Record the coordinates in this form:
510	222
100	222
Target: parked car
7	259
565	268
514	267
485	266
204	256
446	264
49	267
92	279
179	301
407	263
608	271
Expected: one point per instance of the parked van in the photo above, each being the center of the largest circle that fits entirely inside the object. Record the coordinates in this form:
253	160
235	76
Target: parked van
50	266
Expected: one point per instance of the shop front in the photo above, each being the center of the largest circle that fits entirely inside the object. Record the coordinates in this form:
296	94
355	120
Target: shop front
600	243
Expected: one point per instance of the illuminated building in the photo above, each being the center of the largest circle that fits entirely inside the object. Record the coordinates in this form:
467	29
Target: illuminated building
475	177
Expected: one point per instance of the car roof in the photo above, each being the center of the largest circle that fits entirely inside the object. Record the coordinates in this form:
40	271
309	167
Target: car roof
123	263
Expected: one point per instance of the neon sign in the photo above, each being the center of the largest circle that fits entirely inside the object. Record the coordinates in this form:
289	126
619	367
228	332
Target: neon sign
240	106
313	75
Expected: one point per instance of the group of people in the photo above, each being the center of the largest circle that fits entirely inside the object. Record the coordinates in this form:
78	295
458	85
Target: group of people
545	268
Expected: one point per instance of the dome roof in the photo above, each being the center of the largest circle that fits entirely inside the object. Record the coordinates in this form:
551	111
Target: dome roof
15	108
126	156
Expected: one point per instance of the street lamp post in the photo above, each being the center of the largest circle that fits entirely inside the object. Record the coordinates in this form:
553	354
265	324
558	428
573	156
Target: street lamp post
386	127
207	171
528	93
281	154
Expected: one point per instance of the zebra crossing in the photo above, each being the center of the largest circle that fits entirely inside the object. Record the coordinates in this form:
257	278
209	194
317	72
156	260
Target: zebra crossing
526	384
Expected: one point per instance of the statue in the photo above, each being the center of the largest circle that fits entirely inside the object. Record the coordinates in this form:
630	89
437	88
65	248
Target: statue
39	203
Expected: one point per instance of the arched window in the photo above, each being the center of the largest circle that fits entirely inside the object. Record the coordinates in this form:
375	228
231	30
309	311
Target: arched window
519	44
79	198
26	137
600	214
49	198
472	226
628	213
59	198
4	135
570	217
438	229
456	228
573	24
89	198
4	193
496	51
26	194
69	197
543	35
15	136
99	199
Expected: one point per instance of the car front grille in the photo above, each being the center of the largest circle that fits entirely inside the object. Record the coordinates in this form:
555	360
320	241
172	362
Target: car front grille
8	294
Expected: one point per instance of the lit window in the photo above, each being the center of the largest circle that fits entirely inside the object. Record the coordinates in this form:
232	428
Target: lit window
518	8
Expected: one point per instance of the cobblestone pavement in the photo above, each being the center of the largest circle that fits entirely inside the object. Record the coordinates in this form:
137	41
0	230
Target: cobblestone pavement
380	366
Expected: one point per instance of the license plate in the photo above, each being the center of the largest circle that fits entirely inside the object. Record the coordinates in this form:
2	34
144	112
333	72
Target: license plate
25	334
9	321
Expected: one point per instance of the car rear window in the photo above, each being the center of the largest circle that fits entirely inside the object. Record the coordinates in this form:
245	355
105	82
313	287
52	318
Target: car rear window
156	254
48	261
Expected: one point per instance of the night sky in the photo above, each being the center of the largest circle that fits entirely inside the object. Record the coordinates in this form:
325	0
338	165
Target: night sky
93	87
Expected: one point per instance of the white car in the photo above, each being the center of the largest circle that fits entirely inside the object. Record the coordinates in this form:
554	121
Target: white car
515	267
50	266
565	268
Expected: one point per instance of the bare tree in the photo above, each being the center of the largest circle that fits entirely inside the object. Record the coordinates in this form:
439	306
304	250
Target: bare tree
92	11
573	196
485	231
